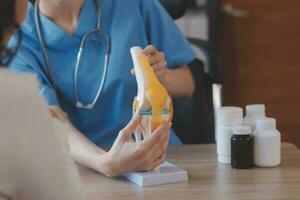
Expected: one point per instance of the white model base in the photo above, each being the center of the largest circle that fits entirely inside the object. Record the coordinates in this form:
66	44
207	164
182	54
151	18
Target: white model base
166	173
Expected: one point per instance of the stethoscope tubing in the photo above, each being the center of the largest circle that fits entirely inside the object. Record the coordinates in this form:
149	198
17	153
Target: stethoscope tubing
41	38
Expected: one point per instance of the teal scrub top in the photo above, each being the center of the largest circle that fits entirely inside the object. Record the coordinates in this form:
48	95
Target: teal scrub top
128	23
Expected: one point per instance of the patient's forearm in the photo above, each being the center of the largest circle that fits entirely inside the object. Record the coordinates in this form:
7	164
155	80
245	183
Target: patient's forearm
180	82
83	151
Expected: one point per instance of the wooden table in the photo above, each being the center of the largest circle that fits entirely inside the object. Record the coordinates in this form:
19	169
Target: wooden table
207	179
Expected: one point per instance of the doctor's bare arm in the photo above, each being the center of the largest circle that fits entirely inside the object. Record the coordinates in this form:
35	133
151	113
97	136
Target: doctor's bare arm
180	82
124	156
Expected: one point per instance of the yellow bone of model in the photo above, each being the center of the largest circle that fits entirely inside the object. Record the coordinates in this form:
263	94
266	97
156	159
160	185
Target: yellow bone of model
154	92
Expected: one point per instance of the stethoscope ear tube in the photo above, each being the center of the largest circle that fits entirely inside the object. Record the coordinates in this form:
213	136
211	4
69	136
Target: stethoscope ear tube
42	42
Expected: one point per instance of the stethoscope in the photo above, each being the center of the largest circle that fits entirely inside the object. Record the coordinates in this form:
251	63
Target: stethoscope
99	32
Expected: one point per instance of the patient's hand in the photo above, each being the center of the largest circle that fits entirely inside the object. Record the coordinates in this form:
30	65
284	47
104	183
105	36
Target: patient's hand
126	156
158	63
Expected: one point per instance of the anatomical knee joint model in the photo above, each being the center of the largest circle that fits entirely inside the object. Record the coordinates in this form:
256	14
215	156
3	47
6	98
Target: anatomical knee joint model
152	101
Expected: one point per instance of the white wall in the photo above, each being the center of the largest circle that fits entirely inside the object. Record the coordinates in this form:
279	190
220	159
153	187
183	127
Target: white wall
194	24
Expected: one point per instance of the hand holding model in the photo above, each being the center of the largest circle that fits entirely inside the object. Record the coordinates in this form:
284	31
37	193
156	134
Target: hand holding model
127	156
158	63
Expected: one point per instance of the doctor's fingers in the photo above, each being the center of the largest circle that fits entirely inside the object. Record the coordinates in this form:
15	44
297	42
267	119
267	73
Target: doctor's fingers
160	68
160	72
156	58
131	126
150	50
162	65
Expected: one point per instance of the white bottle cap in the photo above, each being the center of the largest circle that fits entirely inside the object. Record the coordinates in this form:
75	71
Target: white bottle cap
242	130
229	115
253	108
266	124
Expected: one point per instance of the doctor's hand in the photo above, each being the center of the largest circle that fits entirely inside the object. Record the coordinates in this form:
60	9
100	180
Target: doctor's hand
158	63
127	156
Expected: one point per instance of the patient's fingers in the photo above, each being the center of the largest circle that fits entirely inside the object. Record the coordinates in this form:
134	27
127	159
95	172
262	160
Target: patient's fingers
158	135
132	71
131	126
138	135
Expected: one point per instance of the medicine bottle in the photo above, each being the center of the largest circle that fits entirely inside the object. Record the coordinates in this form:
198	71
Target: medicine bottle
242	148
254	112
227	118
266	143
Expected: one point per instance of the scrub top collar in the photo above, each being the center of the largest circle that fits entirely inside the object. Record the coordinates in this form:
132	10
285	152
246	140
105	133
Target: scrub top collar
57	38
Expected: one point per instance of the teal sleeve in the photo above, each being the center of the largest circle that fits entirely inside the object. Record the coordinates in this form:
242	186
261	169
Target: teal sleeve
163	33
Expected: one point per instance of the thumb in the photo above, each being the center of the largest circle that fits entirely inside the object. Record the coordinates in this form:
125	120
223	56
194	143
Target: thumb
131	126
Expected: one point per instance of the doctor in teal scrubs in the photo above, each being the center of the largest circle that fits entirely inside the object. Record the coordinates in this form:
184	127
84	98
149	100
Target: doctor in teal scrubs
79	51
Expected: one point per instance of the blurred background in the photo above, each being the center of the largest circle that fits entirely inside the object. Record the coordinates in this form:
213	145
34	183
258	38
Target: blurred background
250	55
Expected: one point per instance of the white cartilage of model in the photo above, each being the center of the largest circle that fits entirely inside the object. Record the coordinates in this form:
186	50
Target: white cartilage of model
152	101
